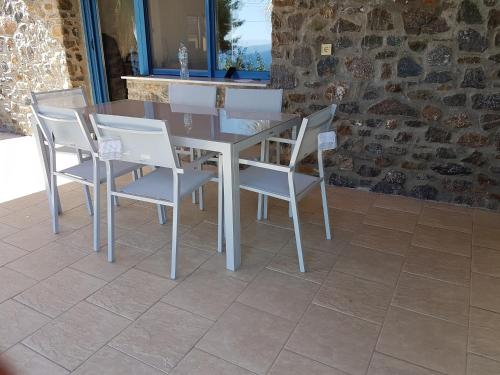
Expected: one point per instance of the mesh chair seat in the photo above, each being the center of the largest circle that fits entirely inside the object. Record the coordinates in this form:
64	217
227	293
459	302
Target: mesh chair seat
159	183
84	171
274	182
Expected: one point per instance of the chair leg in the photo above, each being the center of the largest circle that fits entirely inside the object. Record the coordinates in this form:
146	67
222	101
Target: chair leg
201	199
54	201
263	146
141	173
175	224
135	175
325	211
88	200
58	200
191	159
298	237
97	216
266	198
162	216
220	209
115	198
111	222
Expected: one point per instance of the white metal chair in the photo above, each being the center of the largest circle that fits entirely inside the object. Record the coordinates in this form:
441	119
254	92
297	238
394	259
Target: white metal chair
257	100
284	182
66	98
194	96
66	127
148	142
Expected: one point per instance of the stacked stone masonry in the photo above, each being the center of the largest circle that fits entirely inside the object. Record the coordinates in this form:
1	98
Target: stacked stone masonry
41	48
417	83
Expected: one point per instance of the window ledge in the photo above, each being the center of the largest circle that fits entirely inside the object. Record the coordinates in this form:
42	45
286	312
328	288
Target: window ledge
200	80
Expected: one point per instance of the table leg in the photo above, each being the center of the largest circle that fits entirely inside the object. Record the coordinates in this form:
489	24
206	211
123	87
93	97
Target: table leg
231	178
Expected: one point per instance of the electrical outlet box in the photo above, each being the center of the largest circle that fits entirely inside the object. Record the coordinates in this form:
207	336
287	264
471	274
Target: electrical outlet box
326	49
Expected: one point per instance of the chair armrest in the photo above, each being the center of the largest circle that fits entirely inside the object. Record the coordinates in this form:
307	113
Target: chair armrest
281	140
198	162
260	164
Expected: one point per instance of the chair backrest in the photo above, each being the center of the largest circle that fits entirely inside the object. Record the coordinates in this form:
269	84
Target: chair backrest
192	95
67	98
62	126
307	139
143	141
262	100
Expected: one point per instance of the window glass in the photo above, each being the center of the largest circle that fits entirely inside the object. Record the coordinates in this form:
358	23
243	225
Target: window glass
119	44
243	34
172	22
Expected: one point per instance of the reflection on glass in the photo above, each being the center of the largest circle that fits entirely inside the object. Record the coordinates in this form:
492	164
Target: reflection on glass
119	44
172	22
243	34
242	126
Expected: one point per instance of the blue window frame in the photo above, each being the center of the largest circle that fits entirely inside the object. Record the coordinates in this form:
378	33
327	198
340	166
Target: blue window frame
144	49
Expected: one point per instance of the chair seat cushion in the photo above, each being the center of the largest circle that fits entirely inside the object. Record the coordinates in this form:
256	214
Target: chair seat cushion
159	183
85	171
274	182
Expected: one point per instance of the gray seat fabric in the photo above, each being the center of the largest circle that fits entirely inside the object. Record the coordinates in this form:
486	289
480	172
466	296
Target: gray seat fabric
159	183
274	182
85	171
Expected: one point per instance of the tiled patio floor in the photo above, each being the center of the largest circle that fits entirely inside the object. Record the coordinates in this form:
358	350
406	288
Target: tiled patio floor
406	287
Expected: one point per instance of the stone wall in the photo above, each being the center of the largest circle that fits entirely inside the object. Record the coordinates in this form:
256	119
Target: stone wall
418	88
41	48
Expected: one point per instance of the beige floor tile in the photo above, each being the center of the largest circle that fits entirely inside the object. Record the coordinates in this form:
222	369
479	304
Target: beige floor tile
7	230
159	232
132	293
205	293
423	340
339	219
486	261
289	363
354	296
369	264
96	263
198	362
131	217
109	361
18	321
4	211
484	292
391	219
333	246
77	217
9	253
60	292
457	208
188	260
265	237
203	236
162	336
358	201
484	337
22	360
247	337
27	217
35	237
452	220
335	339
252	262
398	203
144	241
438	265
73	337
386	240
83	238
477	365
486	218
12	283
448	241
486	237
318	264
47	260
433	297
279	294
384	365
314	237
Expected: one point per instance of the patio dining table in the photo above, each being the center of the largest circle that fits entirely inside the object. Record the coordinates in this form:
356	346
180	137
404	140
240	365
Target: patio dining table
227	133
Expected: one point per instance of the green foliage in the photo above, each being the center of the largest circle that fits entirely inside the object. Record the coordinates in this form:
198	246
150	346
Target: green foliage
225	23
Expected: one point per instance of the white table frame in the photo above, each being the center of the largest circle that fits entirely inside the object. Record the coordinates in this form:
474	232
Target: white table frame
231	180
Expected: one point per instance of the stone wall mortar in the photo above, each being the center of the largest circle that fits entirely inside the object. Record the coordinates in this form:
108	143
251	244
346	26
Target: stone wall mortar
41	48
417	83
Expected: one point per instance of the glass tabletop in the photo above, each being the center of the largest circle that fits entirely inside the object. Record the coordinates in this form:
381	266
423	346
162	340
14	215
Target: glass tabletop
208	124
